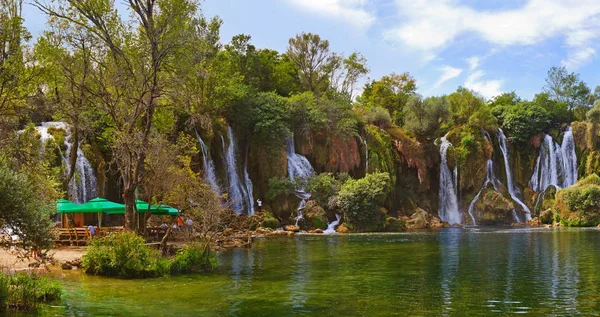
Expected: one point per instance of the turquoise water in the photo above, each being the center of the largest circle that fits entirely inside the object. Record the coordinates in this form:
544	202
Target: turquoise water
452	272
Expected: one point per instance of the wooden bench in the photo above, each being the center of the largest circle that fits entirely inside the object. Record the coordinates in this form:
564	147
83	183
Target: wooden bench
73	236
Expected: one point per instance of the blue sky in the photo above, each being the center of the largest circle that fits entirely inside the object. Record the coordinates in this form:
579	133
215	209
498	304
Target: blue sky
489	46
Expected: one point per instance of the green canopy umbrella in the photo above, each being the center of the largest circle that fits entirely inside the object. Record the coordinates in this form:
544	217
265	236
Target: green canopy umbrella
95	205
66	206
142	207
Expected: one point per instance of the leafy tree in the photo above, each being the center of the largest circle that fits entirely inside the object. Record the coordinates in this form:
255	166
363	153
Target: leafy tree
425	116
360	200
132	71
352	69
568	88
463	104
390	92
325	187
14	75
378	116
313	59
525	120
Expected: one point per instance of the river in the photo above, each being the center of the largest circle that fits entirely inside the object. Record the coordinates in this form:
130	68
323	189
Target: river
474	271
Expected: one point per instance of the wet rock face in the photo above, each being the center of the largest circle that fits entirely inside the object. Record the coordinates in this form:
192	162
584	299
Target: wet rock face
315	215
494	209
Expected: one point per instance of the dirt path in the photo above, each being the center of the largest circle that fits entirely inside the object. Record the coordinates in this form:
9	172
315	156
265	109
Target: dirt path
10	261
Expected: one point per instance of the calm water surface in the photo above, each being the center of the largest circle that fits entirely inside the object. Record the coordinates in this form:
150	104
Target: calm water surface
454	272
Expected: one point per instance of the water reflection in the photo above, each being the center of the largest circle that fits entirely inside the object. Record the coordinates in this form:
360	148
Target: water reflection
473	271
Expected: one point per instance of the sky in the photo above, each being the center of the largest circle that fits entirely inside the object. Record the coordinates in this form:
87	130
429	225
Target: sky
490	46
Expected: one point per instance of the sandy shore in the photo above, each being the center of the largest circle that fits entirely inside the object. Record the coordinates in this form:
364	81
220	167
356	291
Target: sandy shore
10	261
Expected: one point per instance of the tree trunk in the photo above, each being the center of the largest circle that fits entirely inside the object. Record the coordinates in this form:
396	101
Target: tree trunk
129	199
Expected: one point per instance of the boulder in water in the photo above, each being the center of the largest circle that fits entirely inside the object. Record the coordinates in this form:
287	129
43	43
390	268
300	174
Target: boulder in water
342	229
316	231
418	220
291	228
315	215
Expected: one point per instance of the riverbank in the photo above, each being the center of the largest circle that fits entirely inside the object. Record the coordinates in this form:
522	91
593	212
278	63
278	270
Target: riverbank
11	261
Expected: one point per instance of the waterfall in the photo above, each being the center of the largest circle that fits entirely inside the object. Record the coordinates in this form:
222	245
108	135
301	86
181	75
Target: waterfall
237	193
208	166
490	178
448	209
556	164
83	186
569	158
249	188
510	185
298	167
331	226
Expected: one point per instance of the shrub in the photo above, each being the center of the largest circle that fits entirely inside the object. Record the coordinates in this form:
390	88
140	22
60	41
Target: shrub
280	186
24	291
270	222
378	116
124	255
393	224
193	258
360	199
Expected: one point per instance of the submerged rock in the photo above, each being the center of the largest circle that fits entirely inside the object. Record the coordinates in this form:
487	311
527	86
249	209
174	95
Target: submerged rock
419	220
494	209
291	228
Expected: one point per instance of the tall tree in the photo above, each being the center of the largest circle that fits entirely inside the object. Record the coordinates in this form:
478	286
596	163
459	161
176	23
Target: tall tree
390	92
133	63
566	87
14	75
314	60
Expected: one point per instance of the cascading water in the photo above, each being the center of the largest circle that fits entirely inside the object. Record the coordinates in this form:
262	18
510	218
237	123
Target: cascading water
490	178
237	193
298	167
249	188
448	210
510	185
556	165
331	226
82	187
569	158
208	166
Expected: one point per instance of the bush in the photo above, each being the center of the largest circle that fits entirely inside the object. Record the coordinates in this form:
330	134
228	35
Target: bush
378	116
124	255
270	222
579	205
360	200
193	258
24	291
394	225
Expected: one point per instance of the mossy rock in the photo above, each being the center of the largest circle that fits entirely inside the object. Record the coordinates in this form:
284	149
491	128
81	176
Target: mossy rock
494	209
315	215
270	222
394	225
579	205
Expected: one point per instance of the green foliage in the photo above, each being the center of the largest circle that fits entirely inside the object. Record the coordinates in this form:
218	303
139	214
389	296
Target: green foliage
524	120
124	255
583	198
579	205
393	224
360	200
382	155
378	116
25	206
25	291
566	87
324	186
280	186
463	104
424	117
313	59
593	115
390	92
195	257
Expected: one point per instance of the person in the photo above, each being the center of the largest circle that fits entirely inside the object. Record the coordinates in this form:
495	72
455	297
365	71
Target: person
164	225
189	226
259	203
179	222
92	230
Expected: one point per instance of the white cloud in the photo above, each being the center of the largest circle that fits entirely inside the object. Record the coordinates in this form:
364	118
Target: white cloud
579	57
431	25
448	72
487	88
473	62
353	11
